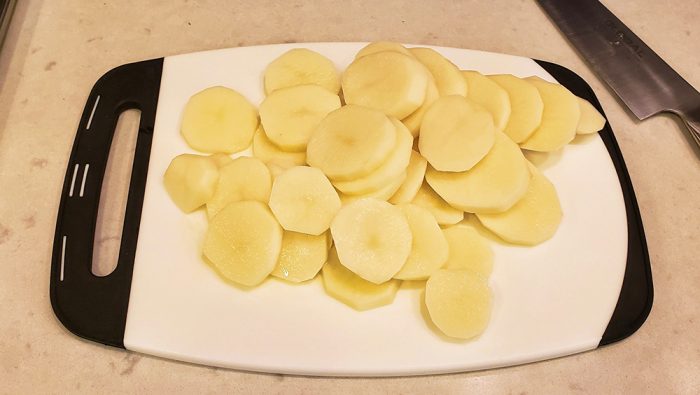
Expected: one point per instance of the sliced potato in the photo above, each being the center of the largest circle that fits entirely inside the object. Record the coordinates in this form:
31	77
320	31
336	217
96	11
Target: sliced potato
190	180
268	152
493	185
390	82
468	250
489	95
221	160
243	242
429	249
384	193
414	178
442	211
303	200
372	238
459	302
219	119
353	290
245	178
591	120
301	66
455	134
525	106
447	77
382	46
414	120
301	256
559	118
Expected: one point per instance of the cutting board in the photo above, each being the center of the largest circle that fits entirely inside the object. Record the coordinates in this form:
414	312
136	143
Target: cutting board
588	286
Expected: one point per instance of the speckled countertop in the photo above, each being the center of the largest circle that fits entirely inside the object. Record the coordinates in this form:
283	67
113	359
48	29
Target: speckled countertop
55	50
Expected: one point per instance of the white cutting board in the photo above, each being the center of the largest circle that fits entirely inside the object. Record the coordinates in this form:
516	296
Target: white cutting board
550	300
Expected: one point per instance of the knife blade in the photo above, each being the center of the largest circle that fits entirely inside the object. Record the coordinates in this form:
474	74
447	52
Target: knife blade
637	75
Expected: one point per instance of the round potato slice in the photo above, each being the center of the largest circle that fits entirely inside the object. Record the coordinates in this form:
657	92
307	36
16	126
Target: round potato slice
591	120
268	152
382	46
384	193
525	106
468	250
441	210
219	119
243	242
414	120
245	178
301	256
373	239
489	95
447	76
301	66
559	118
414	178
190	180
429	249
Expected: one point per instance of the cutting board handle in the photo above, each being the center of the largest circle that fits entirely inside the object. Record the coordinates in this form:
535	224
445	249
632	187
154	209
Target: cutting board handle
90	306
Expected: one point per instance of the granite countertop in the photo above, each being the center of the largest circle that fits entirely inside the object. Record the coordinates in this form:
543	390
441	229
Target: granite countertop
55	50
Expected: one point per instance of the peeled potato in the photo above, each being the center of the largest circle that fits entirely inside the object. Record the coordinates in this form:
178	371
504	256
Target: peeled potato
291	115
372	238
301	66
525	106
414	178
532	220
351	142
390	82
455	134
384	193
493	185
489	95
352	289
245	178
191	180
303	200
468	250
591	120
301	256
221	160
442	211
459	302
219	119
447	77
414	120
268	152
559	118
382	46
243	242
429	249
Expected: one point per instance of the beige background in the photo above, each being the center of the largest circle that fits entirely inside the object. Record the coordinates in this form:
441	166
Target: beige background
55	50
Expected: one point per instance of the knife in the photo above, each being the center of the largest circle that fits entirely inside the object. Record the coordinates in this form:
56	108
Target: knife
642	80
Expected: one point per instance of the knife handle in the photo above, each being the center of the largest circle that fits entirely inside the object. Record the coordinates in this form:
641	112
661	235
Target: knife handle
90	306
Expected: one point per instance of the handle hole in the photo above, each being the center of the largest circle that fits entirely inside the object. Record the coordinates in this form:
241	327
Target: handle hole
113	197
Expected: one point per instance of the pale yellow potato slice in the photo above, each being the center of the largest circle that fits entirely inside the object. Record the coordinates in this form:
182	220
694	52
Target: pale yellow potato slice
390	82
245	178
268	152
384	193
301	66
382	46
243	242
459	302
414	120
532	220
559	118
395	164
489	95
468	250
303	200
190	180
447	76
525	106
301	256
429	249
353	290
219	119
443	212
221	160
455	134
414	178
493	185
372	238
591	120
351	142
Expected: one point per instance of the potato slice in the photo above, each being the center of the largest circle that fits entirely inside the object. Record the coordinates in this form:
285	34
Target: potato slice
390	82
489	95
429	249
414	178
291	115
301	66
372	238
447	77
442	211
190	180
382	46
395	164
455	134
245	178
221	160
525	106
459	302
351	142
414	120
468	250
559	118
384	193
268	152
303	200
591	120
532	220
243	242
493	185
353	290
219	119
301	256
